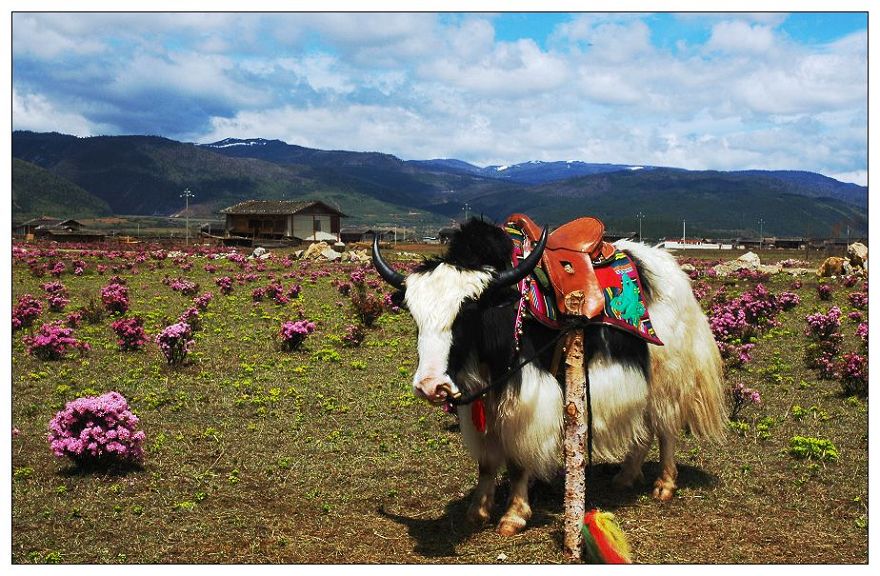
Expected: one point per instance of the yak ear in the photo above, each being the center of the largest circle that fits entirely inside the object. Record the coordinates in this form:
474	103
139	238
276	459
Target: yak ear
398	298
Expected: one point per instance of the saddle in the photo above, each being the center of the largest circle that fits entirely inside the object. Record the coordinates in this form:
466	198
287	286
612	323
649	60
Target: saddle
572	251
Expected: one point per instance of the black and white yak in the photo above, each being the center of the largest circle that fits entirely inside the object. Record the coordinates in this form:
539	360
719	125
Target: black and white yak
465	306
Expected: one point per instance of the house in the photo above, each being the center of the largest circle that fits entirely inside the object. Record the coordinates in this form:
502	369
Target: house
298	220
55	229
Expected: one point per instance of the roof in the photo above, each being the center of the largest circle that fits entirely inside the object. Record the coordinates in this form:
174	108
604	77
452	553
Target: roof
276	207
42	221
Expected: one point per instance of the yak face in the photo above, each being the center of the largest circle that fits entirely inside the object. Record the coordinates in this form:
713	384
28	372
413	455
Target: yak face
436	299
451	298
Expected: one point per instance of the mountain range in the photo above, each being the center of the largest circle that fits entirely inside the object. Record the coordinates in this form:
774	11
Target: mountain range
71	176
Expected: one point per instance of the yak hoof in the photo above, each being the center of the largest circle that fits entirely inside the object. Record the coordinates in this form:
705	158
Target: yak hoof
477	515
511	525
664	490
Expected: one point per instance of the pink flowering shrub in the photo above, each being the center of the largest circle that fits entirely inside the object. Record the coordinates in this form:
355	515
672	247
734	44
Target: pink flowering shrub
862	333
293	333
191	316
175	342
354	335
225	284
130	333
203	300
56	295
115	298
853	373
824	291
97	430
742	397
184	286
53	341
74	319
859	300
823	330
26	310
823	325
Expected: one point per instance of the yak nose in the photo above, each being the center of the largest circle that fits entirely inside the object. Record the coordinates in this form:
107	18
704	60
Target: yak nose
436	390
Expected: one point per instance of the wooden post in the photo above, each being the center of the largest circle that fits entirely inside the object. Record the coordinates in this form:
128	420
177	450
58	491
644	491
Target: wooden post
573	443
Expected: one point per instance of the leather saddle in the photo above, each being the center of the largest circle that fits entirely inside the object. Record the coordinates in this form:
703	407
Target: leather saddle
572	251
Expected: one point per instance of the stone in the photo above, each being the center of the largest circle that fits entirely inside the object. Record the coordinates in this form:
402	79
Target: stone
858	255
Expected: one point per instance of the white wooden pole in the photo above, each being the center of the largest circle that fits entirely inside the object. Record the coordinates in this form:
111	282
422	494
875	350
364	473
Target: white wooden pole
575	430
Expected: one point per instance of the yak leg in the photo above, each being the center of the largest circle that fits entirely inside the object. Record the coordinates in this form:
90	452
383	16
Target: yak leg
481	504
664	486
631	471
518	511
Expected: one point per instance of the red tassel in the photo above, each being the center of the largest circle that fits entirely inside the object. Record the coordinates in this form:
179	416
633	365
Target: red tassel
478	415
604	541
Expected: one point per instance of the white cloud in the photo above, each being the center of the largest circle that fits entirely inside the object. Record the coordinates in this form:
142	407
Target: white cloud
738	36
37	113
419	86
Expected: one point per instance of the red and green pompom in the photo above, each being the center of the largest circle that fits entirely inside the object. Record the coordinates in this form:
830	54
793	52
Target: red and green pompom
604	541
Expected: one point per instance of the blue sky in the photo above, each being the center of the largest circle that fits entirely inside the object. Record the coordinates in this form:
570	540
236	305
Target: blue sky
701	91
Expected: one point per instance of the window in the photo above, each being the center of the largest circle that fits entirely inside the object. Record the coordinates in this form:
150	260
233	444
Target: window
317	226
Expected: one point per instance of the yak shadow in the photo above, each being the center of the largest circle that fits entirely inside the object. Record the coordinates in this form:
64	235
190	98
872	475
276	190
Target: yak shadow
439	537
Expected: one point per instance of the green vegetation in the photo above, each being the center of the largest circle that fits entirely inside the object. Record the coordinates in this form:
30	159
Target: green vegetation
323	455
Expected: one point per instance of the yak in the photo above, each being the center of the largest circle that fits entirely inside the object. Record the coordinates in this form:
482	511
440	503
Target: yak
465	305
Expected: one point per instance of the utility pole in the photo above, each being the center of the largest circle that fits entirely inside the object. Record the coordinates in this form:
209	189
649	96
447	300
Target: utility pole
683	231
640	216
466	211
187	194
761	224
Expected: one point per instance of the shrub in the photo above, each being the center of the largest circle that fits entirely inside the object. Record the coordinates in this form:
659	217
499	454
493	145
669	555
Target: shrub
853	373
191	316
203	300
743	397
53	341
175	342
225	284
859	300
97	429
824	291
293	333
26	310
92	312
367	306
184	286
354	335
115	298
130	333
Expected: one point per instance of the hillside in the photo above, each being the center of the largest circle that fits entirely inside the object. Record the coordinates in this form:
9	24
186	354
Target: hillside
37	192
146	174
712	203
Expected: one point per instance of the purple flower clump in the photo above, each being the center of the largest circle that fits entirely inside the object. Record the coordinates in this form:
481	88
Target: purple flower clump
26	310
115	297
225	284
203	300
175	342
130	333
294	332
97	429
53	341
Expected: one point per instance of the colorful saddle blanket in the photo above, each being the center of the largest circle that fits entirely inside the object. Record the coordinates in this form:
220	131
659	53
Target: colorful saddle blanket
618	277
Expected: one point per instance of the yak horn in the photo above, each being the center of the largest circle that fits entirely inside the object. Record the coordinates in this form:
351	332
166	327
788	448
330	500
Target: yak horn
524	268
387	273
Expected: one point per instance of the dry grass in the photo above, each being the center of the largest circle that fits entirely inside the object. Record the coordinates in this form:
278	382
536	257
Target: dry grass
259	456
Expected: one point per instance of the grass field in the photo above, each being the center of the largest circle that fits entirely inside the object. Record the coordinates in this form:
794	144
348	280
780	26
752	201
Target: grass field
323	455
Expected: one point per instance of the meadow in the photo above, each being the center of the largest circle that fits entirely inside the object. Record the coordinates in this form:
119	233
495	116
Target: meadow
315	451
